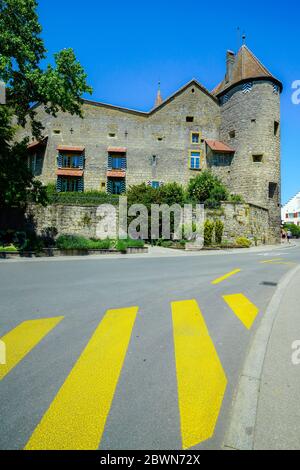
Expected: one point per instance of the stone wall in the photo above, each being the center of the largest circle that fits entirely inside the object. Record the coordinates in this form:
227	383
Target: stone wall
240	220
243	220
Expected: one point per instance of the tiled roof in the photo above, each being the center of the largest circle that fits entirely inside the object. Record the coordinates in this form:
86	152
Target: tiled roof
69	148
69	172
37	143
246	66
217	146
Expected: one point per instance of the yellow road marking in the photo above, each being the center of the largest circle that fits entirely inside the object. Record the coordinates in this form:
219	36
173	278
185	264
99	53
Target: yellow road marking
200	376
270	260
222	278
289	263
76	418
245	310
22	339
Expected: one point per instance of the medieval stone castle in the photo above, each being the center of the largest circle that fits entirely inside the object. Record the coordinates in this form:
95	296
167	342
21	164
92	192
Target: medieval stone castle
233	130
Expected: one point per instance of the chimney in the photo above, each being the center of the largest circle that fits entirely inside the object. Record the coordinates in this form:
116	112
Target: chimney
230	60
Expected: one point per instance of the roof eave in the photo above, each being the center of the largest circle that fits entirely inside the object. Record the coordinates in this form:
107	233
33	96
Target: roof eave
245	80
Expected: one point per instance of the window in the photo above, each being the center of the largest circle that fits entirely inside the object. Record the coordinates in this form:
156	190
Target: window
195	137
253	121
116	163
272	190
155	184
116	185
56	131
220	159
276	127
35	163
70	183
195	160
159	139
232	134
111	134
257	158
189	119
71	161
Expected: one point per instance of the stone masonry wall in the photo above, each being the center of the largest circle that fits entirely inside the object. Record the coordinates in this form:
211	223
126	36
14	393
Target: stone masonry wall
240	220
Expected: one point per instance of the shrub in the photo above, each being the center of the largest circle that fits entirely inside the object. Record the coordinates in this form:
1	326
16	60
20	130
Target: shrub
208	232
121	246
134	243
200	188
211	203
219	227
8	248
235	198
77	242
243	241
85	199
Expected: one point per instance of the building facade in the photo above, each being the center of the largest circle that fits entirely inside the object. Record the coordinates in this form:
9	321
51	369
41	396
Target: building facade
233	130
290	212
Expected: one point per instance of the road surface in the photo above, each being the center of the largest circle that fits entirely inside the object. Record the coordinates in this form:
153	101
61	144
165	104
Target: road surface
128	353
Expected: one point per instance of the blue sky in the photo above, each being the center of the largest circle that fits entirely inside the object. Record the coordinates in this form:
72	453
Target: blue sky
127	46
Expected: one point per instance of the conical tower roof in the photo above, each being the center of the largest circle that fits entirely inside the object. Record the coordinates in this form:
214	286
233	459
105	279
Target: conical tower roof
245	66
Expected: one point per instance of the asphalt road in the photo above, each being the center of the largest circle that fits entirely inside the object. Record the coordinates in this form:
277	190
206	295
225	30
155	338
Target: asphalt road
159	376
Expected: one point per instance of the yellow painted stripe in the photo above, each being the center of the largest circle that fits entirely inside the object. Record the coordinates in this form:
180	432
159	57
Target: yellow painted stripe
271	260
76	418
222	278
200	376
22	339
245	310
289	263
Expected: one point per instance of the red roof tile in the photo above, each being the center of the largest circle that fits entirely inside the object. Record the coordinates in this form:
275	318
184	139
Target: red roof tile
69	148
69	172
116	174
37	143
217	146
117	149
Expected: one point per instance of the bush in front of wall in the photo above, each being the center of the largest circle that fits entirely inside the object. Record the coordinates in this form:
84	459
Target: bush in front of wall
208	232
243	242
219	228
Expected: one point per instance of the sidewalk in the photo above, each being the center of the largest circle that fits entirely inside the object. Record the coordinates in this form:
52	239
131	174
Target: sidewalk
265	409
278	411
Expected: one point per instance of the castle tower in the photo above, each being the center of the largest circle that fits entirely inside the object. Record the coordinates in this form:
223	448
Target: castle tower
249	98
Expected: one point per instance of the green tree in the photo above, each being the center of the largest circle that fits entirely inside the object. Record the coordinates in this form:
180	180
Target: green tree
56	88
207	187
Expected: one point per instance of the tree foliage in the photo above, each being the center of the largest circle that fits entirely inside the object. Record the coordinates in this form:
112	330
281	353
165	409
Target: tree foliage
207	187
55	87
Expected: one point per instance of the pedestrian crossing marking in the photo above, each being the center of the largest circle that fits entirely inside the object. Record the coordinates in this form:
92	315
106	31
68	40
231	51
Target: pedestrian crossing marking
226	276
241	306
200	375
22	339
76	418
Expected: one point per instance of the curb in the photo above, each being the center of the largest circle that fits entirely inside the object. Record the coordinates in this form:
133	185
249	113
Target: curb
240	432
